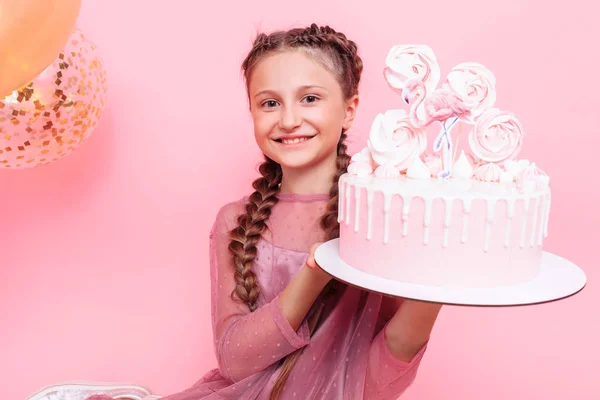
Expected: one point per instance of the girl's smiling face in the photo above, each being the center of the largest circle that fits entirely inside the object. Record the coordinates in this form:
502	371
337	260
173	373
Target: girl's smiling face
299	110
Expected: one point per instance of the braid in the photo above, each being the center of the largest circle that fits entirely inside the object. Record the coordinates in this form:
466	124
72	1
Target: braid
251	225
340	55
331	226
337	52
329	221
262	43
341	50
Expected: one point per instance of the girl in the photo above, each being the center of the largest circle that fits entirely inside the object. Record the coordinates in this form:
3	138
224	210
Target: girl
283	328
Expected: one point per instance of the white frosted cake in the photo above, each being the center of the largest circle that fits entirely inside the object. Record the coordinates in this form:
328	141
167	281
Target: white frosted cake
468	213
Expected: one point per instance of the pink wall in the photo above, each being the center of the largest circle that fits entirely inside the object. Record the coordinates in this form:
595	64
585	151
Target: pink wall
104	254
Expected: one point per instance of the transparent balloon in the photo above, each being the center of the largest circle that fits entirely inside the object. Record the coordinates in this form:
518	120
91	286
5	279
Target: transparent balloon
48	118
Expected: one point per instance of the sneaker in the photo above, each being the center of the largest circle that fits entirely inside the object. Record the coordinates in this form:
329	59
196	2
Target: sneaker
81	391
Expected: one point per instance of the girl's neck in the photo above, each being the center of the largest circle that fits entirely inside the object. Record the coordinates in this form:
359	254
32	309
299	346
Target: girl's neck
311	180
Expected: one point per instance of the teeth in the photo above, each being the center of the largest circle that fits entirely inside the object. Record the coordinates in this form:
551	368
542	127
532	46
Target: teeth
293	141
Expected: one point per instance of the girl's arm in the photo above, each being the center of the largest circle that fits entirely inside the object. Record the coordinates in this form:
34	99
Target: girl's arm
300	294
396	352
248	342
410	327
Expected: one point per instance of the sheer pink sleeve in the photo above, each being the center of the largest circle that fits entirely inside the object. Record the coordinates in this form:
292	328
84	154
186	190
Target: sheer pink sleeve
388	377
245	342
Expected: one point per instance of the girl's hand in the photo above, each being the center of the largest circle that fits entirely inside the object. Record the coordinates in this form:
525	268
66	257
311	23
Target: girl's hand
318	272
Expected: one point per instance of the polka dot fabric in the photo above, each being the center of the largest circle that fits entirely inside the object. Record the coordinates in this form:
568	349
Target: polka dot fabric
347	358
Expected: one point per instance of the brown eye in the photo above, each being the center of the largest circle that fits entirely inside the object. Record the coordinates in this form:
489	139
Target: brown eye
311	99
269	104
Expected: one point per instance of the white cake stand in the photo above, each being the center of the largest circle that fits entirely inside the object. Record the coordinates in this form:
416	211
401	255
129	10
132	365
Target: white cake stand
557	279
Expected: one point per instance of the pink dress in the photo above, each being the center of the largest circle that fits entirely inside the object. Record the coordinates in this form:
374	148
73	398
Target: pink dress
347	358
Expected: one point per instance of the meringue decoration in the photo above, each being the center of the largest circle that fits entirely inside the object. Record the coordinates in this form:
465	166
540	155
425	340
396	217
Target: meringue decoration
497	136
387	171
361	163
418	170
394	140
533	179
462	168
488	173
516	167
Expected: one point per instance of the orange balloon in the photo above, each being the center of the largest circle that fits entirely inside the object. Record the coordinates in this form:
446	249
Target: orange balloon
32	34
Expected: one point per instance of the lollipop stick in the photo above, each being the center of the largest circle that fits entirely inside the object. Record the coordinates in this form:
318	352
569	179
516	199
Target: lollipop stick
456	143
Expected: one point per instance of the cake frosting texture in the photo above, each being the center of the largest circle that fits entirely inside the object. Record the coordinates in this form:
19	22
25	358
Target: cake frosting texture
467	213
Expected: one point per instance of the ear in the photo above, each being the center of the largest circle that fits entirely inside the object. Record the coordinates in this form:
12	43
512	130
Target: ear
350	111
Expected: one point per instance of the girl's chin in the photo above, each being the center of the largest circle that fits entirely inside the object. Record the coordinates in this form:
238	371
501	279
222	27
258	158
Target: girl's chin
292	163
298	161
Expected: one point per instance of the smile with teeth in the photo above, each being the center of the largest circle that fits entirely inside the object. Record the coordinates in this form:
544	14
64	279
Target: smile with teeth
294	140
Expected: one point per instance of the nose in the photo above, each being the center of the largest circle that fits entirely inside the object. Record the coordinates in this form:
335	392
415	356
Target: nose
290	119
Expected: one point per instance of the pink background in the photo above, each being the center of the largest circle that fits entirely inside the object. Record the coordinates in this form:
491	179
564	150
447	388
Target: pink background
104	255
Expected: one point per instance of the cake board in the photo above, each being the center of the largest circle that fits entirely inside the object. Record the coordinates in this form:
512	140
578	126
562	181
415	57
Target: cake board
558	279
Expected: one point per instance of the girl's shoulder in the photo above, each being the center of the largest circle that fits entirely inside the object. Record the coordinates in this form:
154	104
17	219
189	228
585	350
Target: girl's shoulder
227	216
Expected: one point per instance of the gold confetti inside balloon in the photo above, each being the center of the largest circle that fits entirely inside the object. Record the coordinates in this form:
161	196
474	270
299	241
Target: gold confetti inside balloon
51	116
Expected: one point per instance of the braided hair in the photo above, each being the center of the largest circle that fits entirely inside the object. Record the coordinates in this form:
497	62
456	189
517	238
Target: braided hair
339	55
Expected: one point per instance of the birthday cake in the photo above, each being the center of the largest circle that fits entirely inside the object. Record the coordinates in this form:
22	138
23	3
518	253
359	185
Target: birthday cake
466	212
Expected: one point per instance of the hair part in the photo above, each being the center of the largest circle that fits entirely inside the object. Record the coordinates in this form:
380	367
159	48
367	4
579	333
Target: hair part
334	51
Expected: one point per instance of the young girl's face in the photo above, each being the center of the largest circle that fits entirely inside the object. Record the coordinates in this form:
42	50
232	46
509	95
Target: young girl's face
298	109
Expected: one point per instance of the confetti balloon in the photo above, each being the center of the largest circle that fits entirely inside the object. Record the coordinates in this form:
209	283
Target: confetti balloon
52	115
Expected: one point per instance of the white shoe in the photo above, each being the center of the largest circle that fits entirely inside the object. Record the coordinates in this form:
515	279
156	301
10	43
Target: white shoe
83	390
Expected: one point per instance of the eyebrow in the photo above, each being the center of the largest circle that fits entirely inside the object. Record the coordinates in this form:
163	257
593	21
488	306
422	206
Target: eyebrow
304	87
